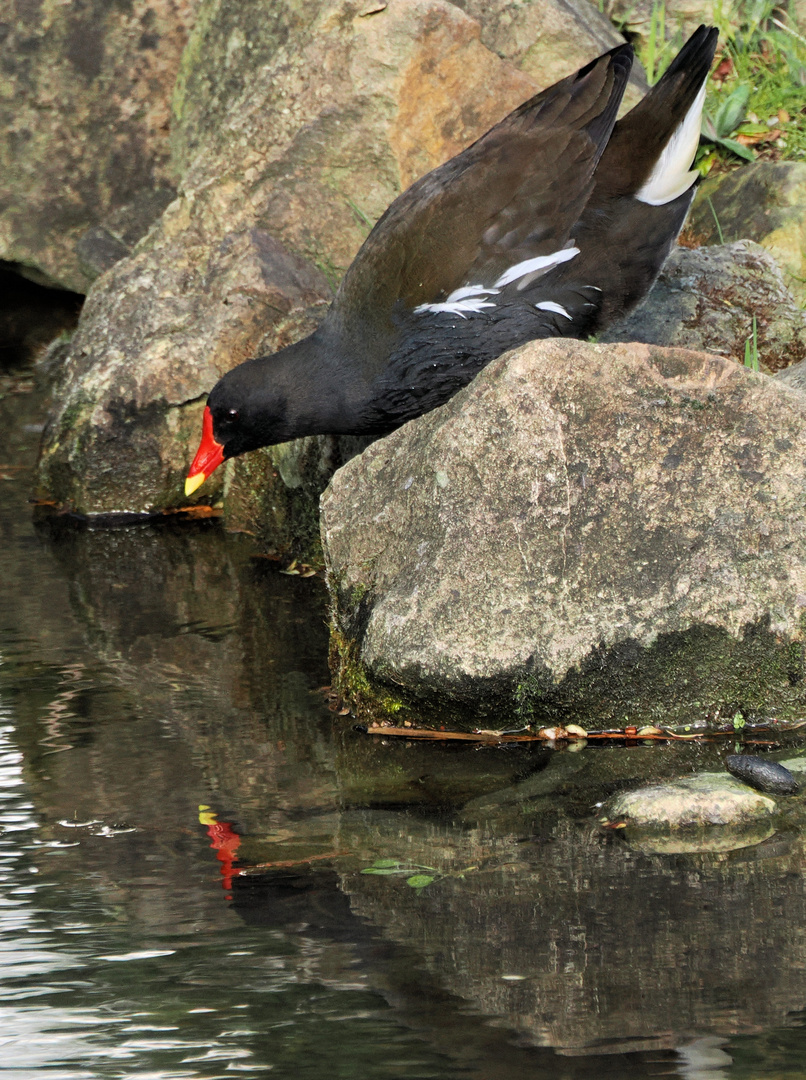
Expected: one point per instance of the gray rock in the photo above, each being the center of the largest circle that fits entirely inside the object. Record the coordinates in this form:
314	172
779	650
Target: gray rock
586	530
795	376
795	765
707	298
766	202
549	40
291	131
84	119
680	17
705	799
129	397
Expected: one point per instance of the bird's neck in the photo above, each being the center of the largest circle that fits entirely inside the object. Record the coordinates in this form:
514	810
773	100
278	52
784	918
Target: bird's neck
326	403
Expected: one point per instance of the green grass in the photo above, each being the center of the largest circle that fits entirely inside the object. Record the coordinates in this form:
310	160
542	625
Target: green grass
751	349
756	103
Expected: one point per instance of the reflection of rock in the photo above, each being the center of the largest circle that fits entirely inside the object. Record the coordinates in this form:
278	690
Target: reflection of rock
713	840
585	530
603	944
225	650
765	202
708	298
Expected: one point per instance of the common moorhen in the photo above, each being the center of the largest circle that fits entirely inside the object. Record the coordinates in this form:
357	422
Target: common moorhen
554	223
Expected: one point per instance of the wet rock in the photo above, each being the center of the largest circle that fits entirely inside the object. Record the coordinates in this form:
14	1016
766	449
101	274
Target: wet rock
607	530
706	799
558	902
762	774
291	130
274	493
707	298
765	202
84	117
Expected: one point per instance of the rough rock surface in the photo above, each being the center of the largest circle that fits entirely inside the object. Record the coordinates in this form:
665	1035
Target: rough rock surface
84	114
680	17
707	298
546	39
129	401
795	376
705	799
292	129
607	530
765	202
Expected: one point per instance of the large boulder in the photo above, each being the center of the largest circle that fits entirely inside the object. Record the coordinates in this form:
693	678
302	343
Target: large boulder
547	39
85	112
586	530
292	130
153	338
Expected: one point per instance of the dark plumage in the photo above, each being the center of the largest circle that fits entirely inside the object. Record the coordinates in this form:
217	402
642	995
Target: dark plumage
554	223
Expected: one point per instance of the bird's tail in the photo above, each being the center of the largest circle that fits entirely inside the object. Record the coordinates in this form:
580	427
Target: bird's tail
644	185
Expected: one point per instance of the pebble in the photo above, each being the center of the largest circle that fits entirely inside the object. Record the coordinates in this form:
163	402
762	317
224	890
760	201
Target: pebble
762	774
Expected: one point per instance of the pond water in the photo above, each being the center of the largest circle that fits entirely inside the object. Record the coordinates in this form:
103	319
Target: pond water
183	826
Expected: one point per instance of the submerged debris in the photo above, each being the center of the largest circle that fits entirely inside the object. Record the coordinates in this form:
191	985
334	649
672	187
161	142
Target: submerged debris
574	733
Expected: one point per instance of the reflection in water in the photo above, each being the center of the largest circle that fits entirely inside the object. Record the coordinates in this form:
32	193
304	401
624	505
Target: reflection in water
704	1059
148	672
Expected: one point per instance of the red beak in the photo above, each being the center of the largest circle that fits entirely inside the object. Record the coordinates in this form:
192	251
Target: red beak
208	457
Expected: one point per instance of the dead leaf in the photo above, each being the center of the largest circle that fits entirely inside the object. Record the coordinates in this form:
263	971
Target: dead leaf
756	137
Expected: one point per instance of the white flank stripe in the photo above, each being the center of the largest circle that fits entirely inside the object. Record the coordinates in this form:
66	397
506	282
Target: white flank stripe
472	299
468	298
549	305
671	175
468	290
459	308
540	262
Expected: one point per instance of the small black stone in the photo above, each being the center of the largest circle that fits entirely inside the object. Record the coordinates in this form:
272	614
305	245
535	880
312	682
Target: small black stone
762	774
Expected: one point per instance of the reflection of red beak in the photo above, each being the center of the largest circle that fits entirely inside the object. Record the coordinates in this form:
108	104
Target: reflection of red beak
208	457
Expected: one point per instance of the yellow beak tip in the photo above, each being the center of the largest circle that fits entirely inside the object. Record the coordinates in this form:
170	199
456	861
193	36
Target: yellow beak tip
194	482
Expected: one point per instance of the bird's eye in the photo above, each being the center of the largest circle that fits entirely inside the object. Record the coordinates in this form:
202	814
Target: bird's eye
232	414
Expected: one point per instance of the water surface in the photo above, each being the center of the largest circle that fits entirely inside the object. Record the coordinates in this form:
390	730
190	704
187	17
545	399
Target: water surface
149	671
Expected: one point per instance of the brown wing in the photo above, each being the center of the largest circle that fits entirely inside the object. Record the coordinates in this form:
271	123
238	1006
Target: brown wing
623	240
512	195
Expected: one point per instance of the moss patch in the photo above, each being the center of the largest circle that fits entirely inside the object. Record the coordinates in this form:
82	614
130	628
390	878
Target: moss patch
701	678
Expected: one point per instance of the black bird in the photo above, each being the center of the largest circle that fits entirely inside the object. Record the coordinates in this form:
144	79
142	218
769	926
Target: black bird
554	223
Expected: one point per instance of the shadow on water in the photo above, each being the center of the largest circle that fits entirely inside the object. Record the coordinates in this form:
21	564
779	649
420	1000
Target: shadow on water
185	825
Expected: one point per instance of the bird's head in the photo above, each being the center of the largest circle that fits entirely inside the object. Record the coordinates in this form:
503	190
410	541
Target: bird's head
243	412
